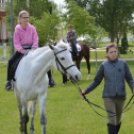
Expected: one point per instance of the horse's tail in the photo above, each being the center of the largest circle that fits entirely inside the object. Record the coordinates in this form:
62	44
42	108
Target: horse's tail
86	51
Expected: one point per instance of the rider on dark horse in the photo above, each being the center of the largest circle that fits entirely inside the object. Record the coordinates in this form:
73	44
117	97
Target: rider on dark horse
71	37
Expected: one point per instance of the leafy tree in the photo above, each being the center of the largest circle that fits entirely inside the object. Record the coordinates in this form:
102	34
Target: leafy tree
35	8
112	15
124	44
83	23
80	19
43	18
82	3
46	27
131	28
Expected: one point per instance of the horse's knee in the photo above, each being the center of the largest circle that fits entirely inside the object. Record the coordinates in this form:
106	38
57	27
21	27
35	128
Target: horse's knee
43	120
25	118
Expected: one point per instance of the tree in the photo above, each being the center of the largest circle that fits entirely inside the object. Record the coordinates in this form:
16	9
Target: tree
46	27
112	15
124	44
80	19
35	8
84	4
83	23
131	28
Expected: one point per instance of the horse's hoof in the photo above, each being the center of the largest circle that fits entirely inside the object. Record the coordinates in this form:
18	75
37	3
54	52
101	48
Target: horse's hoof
31	132
21	128
88	77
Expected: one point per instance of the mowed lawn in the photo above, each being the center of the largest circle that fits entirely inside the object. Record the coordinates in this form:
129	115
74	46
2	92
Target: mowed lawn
102	54
66	112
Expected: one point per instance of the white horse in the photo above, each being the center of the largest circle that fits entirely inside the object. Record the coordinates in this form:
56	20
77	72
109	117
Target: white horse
32	80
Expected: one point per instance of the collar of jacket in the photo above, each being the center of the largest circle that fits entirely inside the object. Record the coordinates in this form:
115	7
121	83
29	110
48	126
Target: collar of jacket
113	61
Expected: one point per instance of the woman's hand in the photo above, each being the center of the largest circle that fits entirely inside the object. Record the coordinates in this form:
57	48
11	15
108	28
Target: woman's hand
23	51
82	93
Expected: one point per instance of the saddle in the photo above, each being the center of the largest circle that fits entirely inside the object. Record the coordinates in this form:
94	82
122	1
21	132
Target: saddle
15	65
78	48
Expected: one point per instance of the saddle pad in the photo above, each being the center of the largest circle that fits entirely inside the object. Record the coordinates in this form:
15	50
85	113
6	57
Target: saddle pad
78	48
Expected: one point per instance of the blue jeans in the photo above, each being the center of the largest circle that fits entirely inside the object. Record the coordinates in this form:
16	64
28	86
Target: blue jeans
74	47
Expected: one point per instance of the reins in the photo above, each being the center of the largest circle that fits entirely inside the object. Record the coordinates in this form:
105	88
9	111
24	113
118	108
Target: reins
125	109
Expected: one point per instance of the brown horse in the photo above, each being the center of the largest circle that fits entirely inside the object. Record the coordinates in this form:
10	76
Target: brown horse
83	53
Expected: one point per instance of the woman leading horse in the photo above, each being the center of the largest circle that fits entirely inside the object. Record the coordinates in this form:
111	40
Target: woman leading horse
114	71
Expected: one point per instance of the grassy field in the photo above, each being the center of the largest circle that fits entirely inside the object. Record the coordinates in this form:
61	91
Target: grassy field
66	112
102	54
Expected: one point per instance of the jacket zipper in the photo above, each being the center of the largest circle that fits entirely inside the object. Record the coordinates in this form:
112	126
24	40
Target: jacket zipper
115	77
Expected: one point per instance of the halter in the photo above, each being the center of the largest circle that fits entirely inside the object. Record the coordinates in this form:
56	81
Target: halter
58	62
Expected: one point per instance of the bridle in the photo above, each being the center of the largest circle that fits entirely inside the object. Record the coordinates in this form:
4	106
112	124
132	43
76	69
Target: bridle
58	63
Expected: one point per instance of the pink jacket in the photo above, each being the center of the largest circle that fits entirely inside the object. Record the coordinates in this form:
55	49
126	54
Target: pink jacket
28	37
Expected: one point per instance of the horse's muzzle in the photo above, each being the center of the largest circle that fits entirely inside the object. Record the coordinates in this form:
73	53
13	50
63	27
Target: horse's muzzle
76	78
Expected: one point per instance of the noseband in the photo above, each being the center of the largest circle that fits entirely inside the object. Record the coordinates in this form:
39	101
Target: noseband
58	62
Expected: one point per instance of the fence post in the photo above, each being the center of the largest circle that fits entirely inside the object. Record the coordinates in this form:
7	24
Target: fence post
5	56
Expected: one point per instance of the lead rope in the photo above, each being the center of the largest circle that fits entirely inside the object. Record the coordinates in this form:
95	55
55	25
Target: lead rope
90	104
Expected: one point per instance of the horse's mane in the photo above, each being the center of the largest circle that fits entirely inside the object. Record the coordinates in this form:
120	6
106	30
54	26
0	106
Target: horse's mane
62	44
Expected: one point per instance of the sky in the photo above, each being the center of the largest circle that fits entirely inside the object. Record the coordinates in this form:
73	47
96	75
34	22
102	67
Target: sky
58	1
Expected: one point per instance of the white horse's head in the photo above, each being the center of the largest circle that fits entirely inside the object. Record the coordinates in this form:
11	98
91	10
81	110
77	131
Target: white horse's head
63	61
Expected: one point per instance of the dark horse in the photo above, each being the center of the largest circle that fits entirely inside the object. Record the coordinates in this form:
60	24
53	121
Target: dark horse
83	53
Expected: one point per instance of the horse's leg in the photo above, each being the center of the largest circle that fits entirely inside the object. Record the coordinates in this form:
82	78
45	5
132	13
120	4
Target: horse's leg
25	117
88	66
78	63
43	120
20	113
33	110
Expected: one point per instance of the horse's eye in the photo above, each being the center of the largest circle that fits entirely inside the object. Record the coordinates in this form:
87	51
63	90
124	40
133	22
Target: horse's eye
62	58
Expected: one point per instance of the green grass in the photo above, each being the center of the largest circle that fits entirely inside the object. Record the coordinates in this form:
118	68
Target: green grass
66	112
8	53
102	54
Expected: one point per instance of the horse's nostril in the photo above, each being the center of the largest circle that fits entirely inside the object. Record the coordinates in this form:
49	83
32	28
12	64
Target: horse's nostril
76	77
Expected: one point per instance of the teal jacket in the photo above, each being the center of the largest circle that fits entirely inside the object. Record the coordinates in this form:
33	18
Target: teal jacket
114	74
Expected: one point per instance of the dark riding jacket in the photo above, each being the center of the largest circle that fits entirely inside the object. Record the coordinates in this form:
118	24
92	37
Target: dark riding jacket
73	36
114	74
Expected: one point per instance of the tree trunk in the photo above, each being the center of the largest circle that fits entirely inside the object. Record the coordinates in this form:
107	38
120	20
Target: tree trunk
112	37
118	41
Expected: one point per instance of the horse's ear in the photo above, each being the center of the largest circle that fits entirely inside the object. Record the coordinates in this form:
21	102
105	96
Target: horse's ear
51	46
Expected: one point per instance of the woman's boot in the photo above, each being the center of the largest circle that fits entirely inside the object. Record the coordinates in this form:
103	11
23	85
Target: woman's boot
111	129
8	86
118	128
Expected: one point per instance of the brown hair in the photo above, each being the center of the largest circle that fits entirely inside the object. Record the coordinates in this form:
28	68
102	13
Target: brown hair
110	46
20	15
70	26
